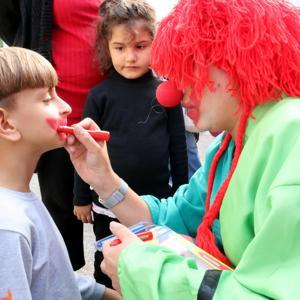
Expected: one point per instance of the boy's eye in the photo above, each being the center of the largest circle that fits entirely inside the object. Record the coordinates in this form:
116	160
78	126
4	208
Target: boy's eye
119	48
46	100
141	46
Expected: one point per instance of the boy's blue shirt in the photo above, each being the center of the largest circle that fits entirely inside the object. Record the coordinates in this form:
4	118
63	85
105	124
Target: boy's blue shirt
34	259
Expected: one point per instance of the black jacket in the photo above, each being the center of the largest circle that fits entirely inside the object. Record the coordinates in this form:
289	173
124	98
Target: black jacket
28	24
147	144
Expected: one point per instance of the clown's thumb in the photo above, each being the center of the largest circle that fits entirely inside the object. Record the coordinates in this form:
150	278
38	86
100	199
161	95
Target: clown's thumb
121	231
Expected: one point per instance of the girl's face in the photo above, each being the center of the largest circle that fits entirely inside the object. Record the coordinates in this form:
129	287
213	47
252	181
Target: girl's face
216	110
130	49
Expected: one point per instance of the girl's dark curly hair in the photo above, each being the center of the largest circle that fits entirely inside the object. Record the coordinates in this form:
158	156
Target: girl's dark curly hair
117	12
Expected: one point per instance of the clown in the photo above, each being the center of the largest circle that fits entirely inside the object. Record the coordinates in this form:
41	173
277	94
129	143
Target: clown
238	64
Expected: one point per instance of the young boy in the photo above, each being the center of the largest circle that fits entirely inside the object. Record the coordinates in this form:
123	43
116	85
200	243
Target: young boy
34	260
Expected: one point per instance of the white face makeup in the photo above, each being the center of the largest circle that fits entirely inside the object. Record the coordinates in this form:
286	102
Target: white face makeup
216	110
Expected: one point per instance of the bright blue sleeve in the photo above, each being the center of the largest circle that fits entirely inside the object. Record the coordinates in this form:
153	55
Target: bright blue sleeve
89	288
16	265
183	211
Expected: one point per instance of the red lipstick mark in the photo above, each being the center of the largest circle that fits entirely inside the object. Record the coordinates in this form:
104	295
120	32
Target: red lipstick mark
55	123
98	135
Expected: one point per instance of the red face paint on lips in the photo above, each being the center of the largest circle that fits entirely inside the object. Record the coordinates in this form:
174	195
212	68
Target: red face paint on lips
55	123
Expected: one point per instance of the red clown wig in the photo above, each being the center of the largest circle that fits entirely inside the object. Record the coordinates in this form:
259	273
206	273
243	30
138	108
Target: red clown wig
256	42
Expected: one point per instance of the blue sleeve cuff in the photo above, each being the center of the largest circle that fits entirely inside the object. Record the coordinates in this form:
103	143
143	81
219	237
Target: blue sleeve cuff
89	288
153	205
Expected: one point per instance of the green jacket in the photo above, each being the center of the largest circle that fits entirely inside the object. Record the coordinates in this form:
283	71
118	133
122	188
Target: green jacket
259	221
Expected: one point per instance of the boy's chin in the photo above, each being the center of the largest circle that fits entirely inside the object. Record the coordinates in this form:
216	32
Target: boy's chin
62	137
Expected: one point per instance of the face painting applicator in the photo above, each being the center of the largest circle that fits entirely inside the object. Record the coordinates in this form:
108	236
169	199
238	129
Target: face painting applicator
98	135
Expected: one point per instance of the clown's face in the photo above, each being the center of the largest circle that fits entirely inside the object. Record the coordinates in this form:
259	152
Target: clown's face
216	110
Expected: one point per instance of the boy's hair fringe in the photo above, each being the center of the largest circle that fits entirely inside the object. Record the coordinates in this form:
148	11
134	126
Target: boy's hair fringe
256	42
117	12
21	69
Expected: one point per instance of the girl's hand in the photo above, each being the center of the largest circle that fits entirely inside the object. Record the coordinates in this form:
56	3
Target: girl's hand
83	213
111	254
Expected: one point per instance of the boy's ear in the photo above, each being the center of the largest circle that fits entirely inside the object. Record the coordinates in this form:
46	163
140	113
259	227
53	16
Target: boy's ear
8	130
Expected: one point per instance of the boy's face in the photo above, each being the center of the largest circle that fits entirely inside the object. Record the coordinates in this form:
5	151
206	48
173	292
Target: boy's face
130	50
36	114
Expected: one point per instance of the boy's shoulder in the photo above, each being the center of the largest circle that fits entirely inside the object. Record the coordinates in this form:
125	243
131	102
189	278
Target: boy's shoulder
15	214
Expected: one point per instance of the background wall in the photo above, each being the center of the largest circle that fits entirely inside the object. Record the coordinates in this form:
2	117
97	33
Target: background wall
162	7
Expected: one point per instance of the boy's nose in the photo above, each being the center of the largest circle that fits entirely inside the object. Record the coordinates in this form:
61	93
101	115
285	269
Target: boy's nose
65	108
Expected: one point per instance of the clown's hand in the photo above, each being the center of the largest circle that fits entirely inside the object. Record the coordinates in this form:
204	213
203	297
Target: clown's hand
90	157
111	254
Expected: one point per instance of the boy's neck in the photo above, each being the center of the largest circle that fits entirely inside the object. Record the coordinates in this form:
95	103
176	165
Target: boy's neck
16	169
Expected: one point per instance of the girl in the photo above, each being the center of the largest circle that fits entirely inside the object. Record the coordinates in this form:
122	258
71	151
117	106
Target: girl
147	144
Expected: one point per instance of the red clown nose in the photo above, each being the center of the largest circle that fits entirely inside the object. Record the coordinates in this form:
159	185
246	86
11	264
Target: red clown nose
168	95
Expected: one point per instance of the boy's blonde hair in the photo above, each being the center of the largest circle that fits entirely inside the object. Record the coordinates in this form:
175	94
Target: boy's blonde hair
22	69
117	12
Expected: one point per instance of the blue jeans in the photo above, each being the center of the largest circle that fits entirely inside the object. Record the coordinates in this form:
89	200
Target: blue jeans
192	152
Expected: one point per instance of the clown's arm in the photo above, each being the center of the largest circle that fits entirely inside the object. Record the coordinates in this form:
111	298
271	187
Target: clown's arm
269	268
90	159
